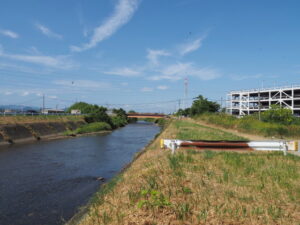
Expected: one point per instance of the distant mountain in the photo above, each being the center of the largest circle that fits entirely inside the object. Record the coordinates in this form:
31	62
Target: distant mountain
18	107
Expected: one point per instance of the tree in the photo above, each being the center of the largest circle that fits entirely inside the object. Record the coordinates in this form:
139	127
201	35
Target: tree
120	113
120	119
277	114
183	112
98	114
202	105
94	113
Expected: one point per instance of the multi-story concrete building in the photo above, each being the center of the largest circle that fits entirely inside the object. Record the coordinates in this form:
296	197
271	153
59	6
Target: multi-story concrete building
245	102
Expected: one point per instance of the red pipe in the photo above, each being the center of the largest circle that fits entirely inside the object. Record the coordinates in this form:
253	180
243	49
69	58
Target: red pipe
221	144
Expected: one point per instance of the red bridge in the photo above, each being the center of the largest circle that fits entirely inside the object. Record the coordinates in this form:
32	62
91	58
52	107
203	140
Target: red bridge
146	115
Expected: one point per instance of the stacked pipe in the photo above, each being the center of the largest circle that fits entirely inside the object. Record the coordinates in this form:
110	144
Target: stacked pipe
280	145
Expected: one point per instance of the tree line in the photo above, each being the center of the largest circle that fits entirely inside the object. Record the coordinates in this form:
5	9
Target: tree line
95	113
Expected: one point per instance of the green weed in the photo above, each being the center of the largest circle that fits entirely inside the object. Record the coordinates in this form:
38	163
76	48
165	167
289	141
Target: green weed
153	199
207	154
186	190
183	210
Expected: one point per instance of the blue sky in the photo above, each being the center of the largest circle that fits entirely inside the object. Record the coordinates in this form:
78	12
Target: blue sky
125	53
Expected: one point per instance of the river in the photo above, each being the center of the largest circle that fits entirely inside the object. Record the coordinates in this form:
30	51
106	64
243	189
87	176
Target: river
46	182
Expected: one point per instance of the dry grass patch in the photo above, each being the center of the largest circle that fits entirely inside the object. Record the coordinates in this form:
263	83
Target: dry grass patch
37	119
201	187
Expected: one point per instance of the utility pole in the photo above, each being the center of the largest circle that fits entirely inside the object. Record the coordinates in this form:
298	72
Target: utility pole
259	105
221	103
186	84
43	103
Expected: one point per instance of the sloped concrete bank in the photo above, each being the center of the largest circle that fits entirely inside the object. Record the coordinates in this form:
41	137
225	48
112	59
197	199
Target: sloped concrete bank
19	133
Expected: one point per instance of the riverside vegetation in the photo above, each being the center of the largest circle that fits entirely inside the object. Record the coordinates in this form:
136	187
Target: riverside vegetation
251	124
276	122
200	187
97	118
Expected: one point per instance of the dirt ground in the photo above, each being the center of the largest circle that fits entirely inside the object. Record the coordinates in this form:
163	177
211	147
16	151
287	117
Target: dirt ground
251	137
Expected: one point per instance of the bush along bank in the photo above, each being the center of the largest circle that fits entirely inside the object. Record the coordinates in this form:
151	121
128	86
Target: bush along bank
90	128
98	120
161	121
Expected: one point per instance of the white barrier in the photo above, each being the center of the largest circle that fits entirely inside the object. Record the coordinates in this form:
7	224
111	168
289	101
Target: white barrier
284	146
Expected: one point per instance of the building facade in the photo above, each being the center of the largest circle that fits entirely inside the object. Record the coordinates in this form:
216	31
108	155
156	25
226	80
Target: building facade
246	102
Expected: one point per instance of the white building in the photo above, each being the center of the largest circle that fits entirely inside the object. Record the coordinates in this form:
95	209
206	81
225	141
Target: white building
245	102
75	112
52	111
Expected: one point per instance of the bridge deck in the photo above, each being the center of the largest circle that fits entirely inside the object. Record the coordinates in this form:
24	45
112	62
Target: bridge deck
146	115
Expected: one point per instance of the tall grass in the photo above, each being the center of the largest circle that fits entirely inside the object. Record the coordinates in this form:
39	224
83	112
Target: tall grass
250	124
90	128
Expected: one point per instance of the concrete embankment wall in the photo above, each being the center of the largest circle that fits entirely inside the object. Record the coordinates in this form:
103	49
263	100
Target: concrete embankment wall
15	133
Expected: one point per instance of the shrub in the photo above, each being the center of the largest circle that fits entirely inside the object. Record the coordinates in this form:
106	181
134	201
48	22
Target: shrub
118	121
278	114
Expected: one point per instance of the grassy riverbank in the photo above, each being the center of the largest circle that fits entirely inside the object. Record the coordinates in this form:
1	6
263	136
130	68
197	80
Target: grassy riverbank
250	124
200	187
90	128
20	119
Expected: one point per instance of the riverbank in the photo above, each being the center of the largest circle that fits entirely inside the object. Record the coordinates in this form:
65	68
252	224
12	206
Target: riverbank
24	119
200	187
39	130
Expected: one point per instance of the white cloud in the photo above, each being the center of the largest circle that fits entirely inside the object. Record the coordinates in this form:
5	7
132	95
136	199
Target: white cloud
153	55
124	10
82	83
52	97
61	62
162	87
9	33
180	70
191	46
46	31
124	84
126	72
33	50
25	93
23	69
8	93
146	89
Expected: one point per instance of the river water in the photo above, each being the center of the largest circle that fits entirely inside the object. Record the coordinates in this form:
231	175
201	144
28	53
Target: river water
46	182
